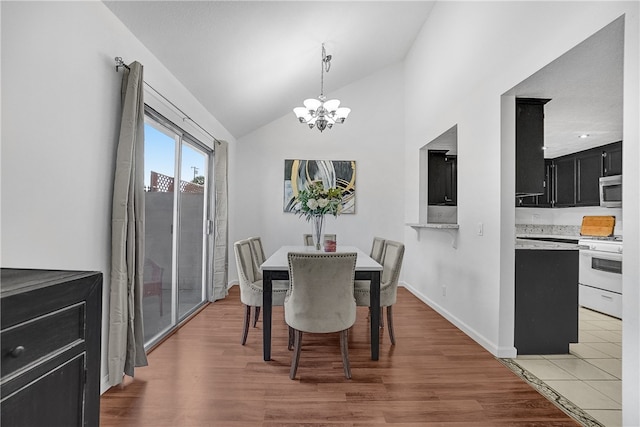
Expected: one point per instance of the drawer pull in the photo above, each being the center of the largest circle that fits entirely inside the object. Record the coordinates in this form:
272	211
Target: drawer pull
17	352
607	297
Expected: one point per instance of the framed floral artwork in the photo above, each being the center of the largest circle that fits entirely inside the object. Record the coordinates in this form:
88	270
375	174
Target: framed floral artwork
301	174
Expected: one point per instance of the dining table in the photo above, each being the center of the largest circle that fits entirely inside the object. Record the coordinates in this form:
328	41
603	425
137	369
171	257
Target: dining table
276	267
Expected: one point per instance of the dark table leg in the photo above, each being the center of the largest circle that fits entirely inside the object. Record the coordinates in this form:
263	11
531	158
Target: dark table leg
266	314
375	314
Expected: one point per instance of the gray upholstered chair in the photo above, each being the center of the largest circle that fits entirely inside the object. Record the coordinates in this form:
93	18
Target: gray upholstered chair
308	238
250	280
391	261
377	246
376	249
320	299
258	259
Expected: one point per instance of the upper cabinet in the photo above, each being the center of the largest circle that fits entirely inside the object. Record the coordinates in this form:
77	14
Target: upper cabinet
577	178
573	179
564	188
530	168
545	199
612	159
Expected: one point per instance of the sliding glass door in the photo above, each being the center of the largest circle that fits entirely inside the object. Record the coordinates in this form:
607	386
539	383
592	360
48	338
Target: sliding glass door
176	226
192	229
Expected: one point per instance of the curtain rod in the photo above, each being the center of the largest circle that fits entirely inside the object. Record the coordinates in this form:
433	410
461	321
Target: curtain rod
120	63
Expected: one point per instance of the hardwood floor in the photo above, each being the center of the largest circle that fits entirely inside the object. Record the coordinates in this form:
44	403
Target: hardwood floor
434	376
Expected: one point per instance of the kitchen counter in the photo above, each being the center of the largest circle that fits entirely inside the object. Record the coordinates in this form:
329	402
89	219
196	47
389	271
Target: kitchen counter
525	243
548	236
547	229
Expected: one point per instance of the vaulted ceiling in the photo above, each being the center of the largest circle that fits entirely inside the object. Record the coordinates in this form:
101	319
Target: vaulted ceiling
251	62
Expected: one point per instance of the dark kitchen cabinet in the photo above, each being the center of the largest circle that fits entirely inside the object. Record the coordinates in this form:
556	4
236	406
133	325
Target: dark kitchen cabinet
565	181
577	178
443	188
573	179
529	142
588	173
51	325
612	159
546	301
545	199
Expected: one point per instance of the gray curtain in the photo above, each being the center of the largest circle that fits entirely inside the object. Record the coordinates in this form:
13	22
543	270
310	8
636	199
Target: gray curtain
126	336
221	243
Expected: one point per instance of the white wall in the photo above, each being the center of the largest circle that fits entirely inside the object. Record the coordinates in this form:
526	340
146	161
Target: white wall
60	105
466	57
372	136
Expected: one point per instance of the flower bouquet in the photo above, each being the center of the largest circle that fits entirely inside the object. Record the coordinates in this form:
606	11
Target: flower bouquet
315	202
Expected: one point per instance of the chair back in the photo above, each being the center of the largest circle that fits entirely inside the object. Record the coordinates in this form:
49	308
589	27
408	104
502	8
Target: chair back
392	256
376	249
320	297
258	256
244	262
308	238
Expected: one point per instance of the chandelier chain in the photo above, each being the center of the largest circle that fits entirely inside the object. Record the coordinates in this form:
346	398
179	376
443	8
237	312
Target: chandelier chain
325	65
322	73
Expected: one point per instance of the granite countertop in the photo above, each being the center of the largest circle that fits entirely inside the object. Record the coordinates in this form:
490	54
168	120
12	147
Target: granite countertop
548	236
522	243
564	231
524	232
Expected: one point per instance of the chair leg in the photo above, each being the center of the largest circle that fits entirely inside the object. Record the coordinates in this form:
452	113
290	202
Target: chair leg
344	349
291	338
245	324
392	337
296	354
255	316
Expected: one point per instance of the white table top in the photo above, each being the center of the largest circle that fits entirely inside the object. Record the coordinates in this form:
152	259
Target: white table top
279	260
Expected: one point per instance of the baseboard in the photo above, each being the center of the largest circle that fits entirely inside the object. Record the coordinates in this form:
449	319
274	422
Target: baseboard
501	352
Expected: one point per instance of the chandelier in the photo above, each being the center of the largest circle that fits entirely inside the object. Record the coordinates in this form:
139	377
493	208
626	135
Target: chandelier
319	112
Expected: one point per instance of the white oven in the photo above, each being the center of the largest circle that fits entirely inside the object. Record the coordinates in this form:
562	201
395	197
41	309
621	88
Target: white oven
600	275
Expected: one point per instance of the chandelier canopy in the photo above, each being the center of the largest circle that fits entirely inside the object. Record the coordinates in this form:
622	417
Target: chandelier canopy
319	112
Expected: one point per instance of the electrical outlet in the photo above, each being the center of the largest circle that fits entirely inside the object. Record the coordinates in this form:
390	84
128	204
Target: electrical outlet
480	229
444	290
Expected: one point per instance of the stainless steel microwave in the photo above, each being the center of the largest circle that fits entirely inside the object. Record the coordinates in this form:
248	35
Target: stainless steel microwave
611	191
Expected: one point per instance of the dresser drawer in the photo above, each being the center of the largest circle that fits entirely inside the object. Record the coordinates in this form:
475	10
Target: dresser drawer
41	337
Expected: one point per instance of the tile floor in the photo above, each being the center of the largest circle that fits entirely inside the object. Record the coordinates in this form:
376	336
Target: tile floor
589	377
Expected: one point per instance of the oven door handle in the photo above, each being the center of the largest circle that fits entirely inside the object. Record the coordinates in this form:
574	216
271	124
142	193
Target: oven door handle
601	255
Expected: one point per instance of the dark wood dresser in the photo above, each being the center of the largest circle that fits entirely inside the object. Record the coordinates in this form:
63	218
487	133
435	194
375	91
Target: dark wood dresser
51	325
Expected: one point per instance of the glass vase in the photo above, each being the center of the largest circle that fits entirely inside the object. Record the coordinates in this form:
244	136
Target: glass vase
318	223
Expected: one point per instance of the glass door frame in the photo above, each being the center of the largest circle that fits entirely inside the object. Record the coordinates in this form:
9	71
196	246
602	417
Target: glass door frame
182	138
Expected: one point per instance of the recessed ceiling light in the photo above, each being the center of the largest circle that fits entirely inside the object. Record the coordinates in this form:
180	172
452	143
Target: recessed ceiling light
583	136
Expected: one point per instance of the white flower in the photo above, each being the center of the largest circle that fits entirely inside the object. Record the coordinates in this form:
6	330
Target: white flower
323	202
312	204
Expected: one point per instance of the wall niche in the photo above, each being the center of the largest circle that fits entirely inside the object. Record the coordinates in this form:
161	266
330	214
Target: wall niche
439	179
